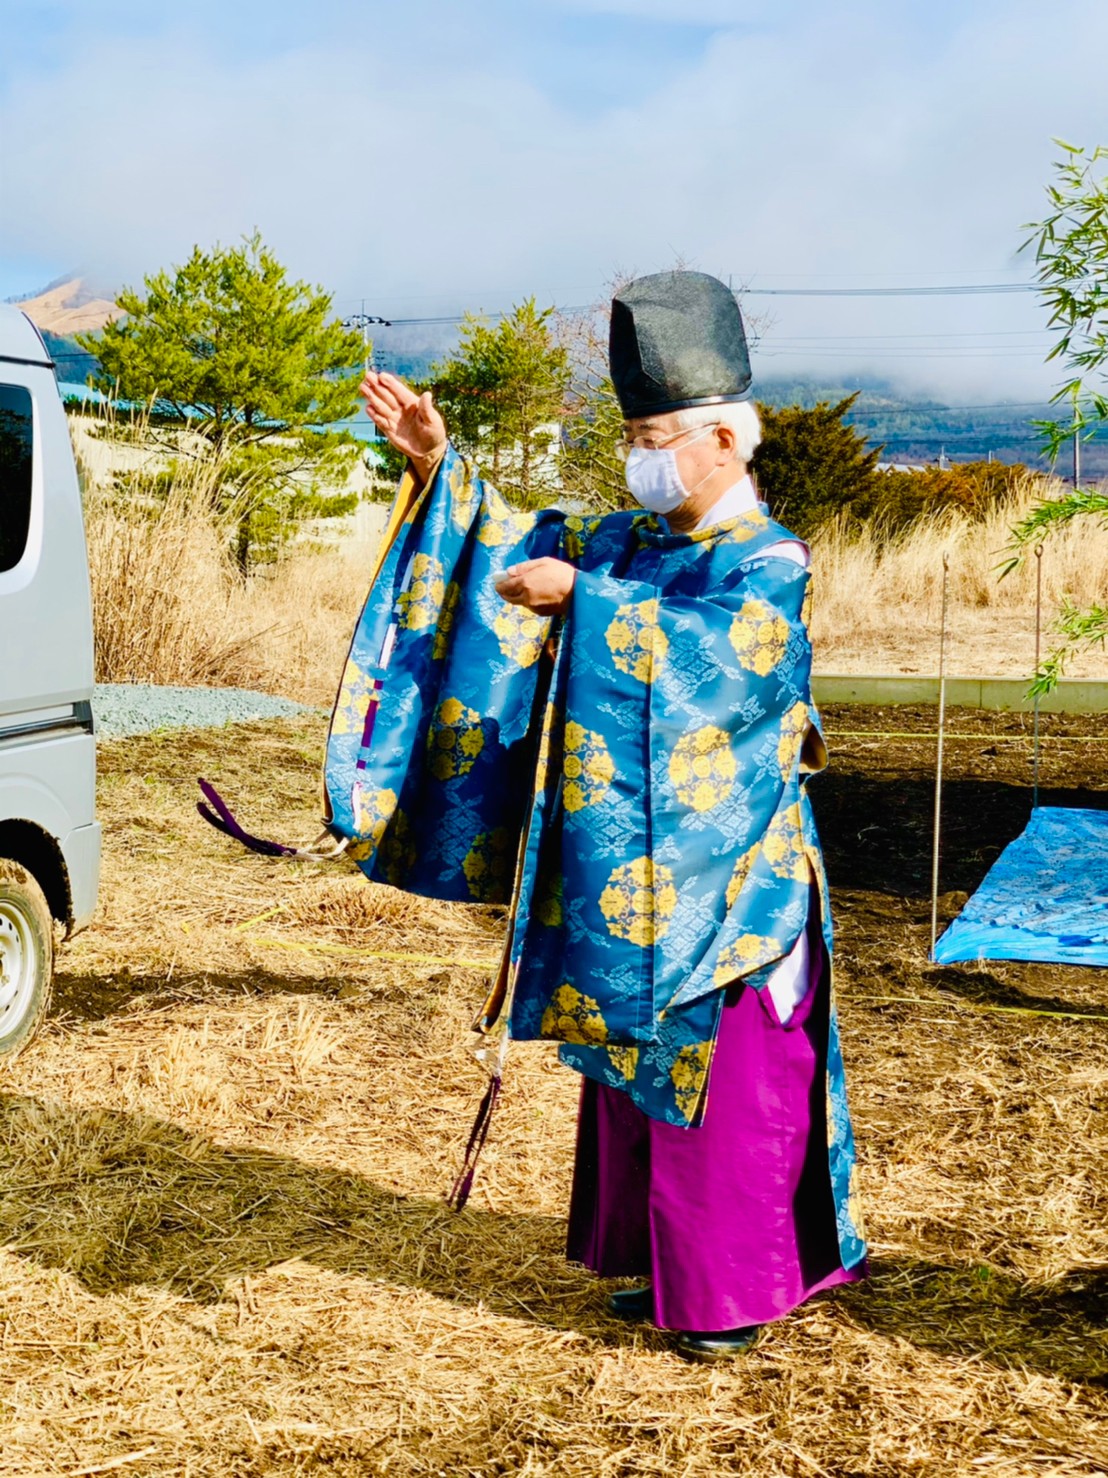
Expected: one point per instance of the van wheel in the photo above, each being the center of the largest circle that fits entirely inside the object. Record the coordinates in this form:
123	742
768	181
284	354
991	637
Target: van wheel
26	957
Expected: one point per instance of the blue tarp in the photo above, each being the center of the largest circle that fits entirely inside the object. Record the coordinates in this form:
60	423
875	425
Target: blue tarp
1044	898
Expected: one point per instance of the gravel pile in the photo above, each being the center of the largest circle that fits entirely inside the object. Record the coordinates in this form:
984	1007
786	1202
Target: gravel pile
137	708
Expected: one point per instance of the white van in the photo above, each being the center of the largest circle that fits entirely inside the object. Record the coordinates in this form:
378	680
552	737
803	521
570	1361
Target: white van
49	837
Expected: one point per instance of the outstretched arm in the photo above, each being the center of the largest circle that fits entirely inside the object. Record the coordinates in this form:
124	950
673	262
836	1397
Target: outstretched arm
409	421
415	428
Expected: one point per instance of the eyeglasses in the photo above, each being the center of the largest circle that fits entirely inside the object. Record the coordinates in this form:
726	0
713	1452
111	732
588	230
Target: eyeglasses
626	445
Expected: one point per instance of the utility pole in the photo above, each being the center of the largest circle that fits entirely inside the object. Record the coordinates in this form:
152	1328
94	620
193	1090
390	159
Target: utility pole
363	320
1076	458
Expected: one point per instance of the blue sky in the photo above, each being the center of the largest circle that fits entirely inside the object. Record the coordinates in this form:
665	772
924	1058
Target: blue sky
441	156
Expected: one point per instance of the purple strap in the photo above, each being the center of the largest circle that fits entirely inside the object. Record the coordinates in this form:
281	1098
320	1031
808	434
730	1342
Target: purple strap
459	1195
219	815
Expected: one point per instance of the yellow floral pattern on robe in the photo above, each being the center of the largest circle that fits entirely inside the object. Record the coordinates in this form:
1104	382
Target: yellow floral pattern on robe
587	767
638	901
689	1075
741	873
625	1060
451	597
374	811
783	845
578	532
793	727
454	740
574	1017
702	768
637	642
398	850
550	746
760	637
418	607
744	955
489	865
520	634
501	524
352	702
463	493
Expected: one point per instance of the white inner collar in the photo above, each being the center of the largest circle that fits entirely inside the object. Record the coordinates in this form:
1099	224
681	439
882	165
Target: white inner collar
739	498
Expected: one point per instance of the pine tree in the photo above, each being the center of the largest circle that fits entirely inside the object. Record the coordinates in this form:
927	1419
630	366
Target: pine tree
503	394
227	349
812	464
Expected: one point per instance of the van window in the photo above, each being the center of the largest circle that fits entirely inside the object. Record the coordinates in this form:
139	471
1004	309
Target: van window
16	444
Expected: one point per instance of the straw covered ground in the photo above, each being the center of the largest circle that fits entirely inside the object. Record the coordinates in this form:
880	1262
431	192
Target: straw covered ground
224	1245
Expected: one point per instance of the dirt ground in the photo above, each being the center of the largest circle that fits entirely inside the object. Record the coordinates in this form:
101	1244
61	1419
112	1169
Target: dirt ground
978	644
223	1245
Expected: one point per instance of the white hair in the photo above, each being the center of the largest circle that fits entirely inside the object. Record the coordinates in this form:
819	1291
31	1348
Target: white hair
740	415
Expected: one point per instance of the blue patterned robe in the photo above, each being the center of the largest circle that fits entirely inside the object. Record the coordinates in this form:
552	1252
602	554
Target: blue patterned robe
630	777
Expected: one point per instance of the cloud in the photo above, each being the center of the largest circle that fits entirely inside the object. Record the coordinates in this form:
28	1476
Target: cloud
450	168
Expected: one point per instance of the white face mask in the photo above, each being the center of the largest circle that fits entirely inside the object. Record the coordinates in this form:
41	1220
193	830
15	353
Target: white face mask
653	479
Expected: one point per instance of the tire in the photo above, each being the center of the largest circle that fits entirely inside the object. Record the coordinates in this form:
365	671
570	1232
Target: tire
26	957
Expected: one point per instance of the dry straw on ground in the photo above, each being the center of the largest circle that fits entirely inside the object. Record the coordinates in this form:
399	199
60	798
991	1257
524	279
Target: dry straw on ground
226	1254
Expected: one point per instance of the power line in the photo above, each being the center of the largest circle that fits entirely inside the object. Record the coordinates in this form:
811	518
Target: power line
945	290
951	289
984	333
906	353
942	290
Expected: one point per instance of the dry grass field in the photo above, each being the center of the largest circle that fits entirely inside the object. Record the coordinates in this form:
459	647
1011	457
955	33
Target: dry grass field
171	609
225	1252
878	603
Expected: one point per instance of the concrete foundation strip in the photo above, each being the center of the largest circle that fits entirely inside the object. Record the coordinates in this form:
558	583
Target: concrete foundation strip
999	694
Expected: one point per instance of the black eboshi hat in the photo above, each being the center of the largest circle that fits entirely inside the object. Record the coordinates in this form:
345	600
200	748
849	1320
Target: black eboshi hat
677	340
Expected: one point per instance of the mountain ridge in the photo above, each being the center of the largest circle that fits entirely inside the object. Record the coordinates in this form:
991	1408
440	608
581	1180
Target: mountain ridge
69	306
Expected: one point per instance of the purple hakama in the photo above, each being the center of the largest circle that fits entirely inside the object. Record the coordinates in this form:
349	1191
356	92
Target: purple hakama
733	1222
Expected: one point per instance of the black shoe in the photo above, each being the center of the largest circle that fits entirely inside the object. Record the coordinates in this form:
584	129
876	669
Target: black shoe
722	1344
636	1304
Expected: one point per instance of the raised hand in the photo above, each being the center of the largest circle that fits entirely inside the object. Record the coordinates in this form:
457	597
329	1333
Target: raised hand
409	421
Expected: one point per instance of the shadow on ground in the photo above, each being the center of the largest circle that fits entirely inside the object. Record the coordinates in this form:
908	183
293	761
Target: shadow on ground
982	988
118	1200
979	1312
877	829
95	996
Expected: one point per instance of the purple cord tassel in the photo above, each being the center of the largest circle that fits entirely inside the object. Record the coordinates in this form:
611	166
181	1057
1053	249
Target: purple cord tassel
219	815
459	1195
